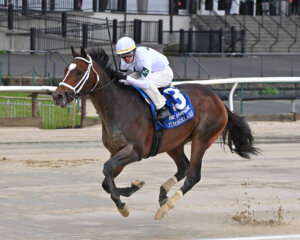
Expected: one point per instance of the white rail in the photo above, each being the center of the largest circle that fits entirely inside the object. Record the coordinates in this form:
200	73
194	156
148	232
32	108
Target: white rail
234	81
38	89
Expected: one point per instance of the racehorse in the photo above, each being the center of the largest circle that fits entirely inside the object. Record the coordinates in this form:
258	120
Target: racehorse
128	129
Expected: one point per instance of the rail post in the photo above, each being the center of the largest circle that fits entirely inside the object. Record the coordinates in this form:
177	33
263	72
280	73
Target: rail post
103	5
10	17
221	40
243	41
160	31
75	5
33	103
94	5
64	24
0	73
210	41
171	12
115	31
84	35
233	37
190	40
24	7
83	110
294	110
50	80
122	5
33	77
32	39
181	41
52	5
44	7
137	30
8	62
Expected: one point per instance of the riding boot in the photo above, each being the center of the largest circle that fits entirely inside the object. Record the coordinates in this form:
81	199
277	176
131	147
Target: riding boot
162	113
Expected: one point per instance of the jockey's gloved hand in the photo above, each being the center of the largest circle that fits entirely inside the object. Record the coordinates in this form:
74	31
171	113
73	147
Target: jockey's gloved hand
121	75
124	81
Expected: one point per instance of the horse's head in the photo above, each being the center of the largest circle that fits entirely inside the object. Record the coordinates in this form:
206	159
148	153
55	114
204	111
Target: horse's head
80	78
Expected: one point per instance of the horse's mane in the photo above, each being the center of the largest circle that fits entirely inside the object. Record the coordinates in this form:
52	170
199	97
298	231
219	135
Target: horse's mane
101	58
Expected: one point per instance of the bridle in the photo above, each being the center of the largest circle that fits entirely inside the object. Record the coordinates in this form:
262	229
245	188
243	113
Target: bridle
83	80
76	90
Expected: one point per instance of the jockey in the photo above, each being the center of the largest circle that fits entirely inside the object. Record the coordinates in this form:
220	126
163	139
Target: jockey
150	69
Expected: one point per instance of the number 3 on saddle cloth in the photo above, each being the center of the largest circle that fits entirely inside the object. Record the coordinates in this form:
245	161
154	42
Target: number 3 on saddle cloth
180	108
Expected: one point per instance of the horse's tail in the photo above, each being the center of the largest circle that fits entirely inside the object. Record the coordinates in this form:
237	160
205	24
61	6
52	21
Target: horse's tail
238	133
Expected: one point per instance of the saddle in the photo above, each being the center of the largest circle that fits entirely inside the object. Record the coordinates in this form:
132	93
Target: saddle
180	108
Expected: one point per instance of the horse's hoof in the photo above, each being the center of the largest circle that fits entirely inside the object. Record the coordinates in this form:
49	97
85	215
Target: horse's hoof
162	212
163	202
124	211
138	184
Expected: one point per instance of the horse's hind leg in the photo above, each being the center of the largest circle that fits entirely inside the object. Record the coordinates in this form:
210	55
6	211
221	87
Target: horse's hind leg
193	176
204	135
182	164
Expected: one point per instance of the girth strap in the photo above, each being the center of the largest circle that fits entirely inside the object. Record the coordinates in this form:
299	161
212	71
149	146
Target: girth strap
156	143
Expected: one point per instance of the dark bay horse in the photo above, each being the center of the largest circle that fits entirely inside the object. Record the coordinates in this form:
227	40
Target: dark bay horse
127	127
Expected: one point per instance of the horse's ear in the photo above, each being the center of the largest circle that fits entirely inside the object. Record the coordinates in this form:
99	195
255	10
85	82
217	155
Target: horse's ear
83	52
75	54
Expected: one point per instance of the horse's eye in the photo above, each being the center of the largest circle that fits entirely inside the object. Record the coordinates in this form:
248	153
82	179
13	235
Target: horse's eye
79	73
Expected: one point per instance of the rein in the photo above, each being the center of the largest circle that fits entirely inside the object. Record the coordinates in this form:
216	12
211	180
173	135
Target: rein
98	88
83	80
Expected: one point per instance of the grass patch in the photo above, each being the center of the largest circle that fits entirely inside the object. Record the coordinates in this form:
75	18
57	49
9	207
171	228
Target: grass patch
53	117
270	91
14	94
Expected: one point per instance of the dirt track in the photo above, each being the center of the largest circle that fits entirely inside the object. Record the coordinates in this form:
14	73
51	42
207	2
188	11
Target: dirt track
50	185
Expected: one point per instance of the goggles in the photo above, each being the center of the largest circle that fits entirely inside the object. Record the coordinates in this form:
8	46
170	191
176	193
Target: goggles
125	55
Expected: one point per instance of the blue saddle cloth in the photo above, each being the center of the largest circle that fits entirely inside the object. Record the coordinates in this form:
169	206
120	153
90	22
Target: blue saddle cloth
178	104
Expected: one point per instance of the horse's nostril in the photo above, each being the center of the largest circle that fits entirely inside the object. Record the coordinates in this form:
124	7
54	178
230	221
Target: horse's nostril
58	96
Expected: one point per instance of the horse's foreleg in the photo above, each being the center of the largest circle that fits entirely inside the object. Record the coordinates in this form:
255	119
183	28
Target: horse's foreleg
182	164
123	157
126	191
193	177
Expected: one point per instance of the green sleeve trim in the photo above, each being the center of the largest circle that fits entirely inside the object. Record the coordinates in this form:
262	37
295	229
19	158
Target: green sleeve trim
145	72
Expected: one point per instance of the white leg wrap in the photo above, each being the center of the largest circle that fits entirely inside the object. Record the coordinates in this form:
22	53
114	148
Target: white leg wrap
162	212
169	183
174	199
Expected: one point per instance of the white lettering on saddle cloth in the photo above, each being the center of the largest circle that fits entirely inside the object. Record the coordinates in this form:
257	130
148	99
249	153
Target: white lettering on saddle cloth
177	96
180	117
183	111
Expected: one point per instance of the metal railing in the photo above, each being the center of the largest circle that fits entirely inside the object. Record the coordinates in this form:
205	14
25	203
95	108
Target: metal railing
49	63
52	117
236	81
195	66
51	114
132	6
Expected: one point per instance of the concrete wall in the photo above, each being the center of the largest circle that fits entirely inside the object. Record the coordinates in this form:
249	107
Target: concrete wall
11	39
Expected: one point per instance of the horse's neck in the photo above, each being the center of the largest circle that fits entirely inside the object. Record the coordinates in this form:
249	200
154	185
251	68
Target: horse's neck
105	100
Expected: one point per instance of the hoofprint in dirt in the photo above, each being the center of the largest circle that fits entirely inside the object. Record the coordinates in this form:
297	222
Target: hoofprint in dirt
50	185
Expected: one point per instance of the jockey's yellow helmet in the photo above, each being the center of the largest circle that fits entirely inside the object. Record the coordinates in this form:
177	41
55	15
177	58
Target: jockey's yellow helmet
125	45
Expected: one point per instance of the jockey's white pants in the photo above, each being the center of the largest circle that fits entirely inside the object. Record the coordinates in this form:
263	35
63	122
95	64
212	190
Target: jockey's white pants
157	80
